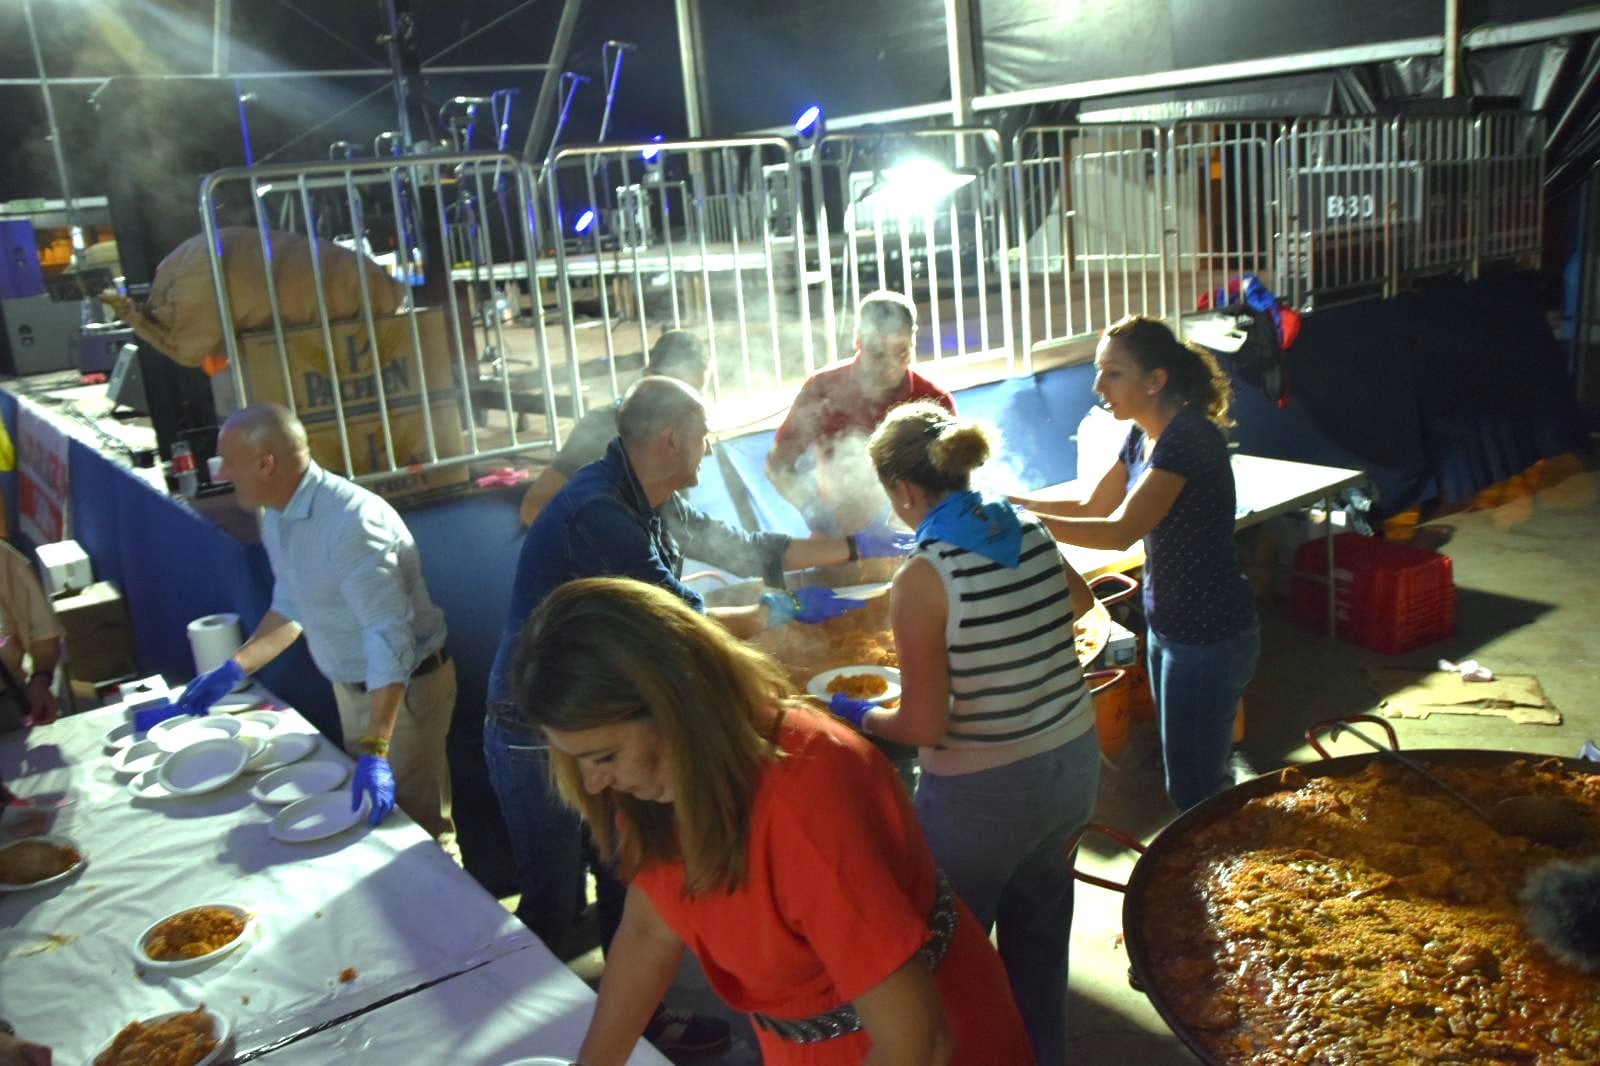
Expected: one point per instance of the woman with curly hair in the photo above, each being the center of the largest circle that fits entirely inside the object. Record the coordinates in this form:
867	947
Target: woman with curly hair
1172	486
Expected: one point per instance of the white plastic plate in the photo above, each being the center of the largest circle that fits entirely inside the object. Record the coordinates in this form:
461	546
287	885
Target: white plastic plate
204	766
219	1029
258	723
177	964
83	860
317	817
281	750
290	783
818	686
148	786
177	733
137	758
861	592
120	736
540	1060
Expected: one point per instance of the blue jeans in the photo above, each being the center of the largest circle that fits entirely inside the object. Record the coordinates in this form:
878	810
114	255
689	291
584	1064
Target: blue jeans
1000	836
547	839
1196	689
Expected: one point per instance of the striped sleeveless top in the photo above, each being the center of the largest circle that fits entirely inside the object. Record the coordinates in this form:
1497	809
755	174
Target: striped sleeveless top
1015	684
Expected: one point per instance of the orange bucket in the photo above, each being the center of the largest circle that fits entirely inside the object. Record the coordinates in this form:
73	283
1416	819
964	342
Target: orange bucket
1112	713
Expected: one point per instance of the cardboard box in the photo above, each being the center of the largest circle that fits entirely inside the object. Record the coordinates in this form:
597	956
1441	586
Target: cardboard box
410	435
97	633
65	566
313	388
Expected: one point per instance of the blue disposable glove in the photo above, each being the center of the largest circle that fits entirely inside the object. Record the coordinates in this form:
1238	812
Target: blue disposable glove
849	708
150	716
808	605
209	687
878	541
375	779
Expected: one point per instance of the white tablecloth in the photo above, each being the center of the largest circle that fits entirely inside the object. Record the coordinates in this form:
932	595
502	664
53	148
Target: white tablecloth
385	902
518	1006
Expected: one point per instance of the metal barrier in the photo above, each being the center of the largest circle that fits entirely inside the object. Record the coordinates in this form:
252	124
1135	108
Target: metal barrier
922	212
1092	216
388	386
765	250
699	234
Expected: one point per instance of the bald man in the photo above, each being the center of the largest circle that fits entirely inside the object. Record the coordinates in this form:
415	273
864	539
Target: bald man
345	574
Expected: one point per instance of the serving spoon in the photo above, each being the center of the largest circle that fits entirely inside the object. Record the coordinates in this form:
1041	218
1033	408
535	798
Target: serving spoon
1547	820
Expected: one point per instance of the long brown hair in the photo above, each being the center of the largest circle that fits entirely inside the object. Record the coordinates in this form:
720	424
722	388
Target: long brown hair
928	446
601	651
1193	374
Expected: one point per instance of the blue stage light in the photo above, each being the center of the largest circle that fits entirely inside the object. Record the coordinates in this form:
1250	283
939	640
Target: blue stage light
585	220
808	119
650	155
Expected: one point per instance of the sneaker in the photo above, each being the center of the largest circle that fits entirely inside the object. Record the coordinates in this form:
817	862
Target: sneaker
1240	766
683	1033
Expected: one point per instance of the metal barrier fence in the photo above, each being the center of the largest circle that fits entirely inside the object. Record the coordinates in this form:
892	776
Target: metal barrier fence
922	212
764	250
704	235
1117	219
386	384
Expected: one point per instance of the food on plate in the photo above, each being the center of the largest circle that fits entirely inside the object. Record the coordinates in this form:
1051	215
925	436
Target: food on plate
1369	918
858	686
29	861
193	933
182	1040
347	975
1082	638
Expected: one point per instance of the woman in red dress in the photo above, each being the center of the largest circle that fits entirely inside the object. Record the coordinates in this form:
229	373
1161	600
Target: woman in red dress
769	839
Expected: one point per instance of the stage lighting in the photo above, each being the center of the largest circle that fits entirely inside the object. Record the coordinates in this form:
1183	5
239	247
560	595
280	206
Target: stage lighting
914	184
808	128
653	155
583	223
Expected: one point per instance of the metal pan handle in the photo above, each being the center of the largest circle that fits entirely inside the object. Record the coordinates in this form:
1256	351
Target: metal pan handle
1114	833
1128	586
1316	729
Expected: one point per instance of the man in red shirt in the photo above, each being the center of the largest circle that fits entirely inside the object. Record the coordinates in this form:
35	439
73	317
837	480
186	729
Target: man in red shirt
819	458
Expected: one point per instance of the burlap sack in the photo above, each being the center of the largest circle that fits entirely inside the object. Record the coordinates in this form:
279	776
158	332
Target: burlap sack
180	318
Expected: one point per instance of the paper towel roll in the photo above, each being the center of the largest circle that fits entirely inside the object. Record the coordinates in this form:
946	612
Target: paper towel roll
213	639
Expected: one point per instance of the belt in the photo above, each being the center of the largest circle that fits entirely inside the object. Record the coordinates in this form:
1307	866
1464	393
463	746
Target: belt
843	1020
424	668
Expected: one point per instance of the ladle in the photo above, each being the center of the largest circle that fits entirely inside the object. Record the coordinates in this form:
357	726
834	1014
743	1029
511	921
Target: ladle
1547	820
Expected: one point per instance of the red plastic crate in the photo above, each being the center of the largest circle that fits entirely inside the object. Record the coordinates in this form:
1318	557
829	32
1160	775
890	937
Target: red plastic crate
1388	597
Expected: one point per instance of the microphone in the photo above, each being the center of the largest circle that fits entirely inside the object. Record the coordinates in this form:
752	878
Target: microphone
1561	905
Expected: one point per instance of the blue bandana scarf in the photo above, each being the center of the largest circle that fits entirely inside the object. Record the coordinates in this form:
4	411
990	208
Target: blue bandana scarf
985	525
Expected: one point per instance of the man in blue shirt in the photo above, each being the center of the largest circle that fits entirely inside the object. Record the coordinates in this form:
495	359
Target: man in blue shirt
607	522
346	575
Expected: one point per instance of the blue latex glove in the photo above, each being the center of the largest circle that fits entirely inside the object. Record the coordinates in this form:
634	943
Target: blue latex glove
209	687
849	708
150	716
878	541
374	778
808	605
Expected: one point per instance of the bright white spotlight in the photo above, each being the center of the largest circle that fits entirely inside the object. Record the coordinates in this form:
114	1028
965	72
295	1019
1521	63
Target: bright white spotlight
652	154
807	120
915	184
585	220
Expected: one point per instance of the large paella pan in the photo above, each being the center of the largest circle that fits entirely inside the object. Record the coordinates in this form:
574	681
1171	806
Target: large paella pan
1348	912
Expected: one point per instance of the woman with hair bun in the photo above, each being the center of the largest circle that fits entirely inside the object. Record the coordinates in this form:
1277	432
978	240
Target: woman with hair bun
1172	485
993	696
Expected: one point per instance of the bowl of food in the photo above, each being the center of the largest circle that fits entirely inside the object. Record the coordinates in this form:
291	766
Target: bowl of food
34	862
193	935
878	684
178	1038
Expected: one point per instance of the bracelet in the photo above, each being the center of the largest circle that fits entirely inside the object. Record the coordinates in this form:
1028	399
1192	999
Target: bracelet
370	745
855	549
